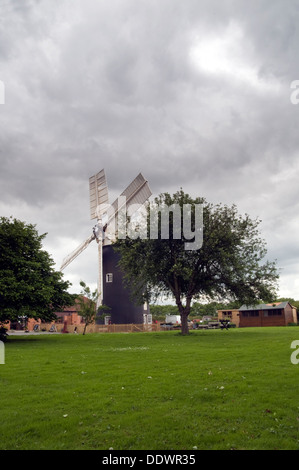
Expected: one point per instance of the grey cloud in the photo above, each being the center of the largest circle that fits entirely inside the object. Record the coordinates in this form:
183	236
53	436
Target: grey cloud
92	85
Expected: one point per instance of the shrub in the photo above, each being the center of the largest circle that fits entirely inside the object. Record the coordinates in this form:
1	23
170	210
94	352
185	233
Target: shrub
3	334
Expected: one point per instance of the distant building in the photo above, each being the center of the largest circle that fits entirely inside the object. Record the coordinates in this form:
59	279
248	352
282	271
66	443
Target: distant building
232	315
71	314
274	314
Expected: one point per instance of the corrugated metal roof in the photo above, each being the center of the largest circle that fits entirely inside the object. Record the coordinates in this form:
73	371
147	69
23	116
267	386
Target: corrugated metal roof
272	306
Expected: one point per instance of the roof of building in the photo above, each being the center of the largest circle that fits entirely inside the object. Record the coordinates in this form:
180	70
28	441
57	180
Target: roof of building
274	305
73	308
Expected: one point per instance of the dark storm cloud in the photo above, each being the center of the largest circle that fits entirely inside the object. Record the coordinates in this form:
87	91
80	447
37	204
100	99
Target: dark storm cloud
193	94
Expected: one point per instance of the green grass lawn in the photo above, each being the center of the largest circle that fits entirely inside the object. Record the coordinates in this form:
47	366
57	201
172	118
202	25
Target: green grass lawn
234	389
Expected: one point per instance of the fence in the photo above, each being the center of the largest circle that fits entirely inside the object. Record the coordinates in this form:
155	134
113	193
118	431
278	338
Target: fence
131	328
93	328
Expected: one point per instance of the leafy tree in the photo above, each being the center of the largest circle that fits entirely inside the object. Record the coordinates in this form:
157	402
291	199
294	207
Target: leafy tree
292	301
228	266
3	333
159	312
29	285
210	308
88	305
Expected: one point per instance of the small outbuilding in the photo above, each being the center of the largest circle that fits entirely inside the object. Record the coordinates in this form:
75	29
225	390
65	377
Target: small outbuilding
275	314
231	315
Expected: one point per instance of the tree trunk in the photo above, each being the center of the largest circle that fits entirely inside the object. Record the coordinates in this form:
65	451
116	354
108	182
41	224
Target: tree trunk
184	316
184	312
184	323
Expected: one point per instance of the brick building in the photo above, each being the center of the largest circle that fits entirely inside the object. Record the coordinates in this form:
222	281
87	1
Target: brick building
68	316
71	314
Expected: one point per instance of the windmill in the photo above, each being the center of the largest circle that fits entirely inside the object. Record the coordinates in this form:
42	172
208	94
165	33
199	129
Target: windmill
110	286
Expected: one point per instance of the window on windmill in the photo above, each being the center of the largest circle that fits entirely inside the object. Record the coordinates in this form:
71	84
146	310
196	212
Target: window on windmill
109	277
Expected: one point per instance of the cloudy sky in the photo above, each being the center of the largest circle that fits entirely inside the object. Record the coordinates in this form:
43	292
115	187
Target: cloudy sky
192	93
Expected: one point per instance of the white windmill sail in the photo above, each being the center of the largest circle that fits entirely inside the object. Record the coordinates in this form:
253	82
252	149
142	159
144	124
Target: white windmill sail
76	252
98	195
136	194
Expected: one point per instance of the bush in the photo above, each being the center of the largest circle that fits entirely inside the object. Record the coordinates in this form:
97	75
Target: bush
3	334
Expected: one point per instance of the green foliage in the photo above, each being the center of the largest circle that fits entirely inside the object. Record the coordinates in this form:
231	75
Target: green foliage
3	334
88	305
29	285
228	267
294	303
87	301
159	312
210	308
197	310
